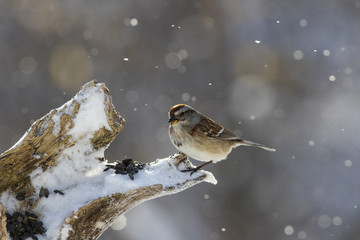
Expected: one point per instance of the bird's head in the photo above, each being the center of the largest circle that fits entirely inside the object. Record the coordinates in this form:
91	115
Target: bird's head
180	113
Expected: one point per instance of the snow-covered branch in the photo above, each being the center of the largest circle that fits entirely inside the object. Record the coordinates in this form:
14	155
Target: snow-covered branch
54	179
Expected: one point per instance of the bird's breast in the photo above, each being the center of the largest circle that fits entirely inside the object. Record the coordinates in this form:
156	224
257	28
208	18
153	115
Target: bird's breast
201	148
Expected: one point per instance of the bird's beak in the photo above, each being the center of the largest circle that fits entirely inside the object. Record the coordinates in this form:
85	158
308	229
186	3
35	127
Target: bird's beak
172	120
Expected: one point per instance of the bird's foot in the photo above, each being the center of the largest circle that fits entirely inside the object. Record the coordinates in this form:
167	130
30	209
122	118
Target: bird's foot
192	170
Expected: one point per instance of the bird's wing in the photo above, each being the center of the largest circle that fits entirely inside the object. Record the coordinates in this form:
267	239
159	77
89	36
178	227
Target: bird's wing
214	130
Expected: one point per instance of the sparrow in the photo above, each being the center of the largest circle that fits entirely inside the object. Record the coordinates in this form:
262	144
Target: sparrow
201	138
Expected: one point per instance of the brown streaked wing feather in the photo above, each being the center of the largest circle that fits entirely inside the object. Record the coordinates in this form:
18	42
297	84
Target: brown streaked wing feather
210	128
228	134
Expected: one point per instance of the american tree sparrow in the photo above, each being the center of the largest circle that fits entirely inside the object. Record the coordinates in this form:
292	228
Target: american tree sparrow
201	138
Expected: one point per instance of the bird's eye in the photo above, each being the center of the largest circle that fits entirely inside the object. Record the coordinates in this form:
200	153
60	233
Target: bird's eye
182	114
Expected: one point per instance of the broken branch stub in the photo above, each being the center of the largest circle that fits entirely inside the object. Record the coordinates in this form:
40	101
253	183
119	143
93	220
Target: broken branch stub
55	171
49	136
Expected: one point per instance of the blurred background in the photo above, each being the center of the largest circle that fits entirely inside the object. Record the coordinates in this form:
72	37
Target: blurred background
283	73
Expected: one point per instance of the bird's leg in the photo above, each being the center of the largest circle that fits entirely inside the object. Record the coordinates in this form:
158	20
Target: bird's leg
192	170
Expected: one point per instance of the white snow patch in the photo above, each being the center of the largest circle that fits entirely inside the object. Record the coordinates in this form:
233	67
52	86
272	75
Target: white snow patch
65	232
209	178
56	120
89	119
9	201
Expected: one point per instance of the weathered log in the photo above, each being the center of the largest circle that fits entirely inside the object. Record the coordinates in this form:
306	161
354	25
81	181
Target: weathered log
56	169
3	232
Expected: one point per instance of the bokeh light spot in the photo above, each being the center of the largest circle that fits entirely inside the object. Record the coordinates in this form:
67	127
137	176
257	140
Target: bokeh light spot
255	96
183	54
70	66
43	16
326	52
348	70
181	69
348	163
337	221
172	60
324	221
134	22
303	23
185	97
119	223
289	230
298	55
301	235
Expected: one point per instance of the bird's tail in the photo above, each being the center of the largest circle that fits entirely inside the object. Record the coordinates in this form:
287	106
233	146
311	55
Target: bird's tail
252	144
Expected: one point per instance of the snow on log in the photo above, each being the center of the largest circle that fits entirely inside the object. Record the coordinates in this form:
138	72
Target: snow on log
54	177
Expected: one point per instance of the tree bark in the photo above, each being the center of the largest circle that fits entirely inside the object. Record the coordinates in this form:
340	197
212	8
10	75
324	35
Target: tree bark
3	233
66	147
